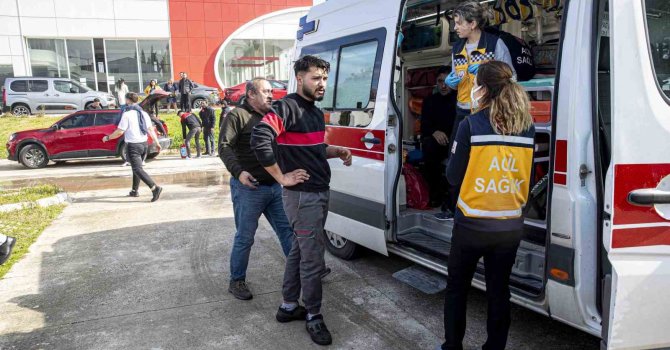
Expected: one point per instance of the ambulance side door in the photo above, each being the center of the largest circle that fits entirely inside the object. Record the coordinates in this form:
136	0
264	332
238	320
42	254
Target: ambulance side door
637	188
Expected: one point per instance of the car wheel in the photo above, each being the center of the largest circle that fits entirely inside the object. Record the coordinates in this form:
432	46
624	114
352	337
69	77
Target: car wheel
123	151
33	157
340	246
20	110
197	103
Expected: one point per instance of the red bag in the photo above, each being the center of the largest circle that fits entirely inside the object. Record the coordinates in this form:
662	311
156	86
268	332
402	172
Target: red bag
418	196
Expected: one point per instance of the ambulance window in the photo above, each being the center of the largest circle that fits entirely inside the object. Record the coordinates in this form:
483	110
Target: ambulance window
331	57
354	80
658	26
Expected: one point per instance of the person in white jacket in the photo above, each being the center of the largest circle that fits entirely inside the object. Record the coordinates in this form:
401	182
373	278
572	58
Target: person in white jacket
121	91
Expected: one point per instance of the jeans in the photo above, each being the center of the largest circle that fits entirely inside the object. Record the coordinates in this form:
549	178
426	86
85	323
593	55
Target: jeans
187	141
184	105
499	252
248	206
209	140
307	212
136	154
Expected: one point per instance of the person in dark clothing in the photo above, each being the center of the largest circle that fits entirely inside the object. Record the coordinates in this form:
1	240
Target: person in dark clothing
136	128
6	246
437	119
95	104
190	121
297	127
491	163
171	88
157	123
208	119
185	87
254	191
225	109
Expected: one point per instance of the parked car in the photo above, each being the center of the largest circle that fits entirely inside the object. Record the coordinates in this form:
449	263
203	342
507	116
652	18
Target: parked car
29	95
199	94
77	136
233	95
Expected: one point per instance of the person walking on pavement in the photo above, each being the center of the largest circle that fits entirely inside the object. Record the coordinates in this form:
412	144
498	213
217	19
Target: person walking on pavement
136	127
121	91
254	191
208	119
297	127
491	163
185	88
6	246
150	89
474	47
190	121
171	88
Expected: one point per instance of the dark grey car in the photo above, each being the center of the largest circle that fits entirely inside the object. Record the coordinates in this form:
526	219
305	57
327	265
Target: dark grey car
199	94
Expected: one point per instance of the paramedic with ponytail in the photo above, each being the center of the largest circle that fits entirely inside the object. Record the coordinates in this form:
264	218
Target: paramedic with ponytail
491	162
474	48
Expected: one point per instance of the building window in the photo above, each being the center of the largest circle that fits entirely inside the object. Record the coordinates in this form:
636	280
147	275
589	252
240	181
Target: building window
122	62
154	61
82	62
47	58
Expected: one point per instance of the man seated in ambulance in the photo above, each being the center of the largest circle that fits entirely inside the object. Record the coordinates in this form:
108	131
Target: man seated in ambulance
437	118
474	48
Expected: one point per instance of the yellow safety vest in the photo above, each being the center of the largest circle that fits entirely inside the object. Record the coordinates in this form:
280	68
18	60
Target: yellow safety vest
463	59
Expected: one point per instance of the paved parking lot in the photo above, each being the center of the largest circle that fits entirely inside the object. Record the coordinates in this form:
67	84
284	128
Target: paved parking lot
121	273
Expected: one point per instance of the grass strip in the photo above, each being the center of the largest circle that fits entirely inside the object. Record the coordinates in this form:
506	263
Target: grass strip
28	194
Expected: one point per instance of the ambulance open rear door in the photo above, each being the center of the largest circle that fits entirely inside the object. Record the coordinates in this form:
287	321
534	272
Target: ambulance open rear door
636	307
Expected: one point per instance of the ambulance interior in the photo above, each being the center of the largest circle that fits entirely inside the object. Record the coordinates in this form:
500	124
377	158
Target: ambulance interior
428	37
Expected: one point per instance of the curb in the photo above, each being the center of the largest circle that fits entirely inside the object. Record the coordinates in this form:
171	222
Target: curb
59	198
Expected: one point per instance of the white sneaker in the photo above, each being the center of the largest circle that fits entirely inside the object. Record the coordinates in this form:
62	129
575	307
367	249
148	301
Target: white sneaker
125	164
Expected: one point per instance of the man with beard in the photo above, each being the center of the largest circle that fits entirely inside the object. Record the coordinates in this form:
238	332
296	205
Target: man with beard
297	126
253	190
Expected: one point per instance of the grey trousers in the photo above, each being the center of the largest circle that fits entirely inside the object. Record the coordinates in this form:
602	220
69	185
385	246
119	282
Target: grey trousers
306	212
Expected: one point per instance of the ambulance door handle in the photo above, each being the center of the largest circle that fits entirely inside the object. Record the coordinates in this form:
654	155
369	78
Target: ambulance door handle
648	196
372	140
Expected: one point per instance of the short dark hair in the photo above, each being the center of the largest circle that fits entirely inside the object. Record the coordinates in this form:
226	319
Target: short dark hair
133	97
96	100
303	64
444	70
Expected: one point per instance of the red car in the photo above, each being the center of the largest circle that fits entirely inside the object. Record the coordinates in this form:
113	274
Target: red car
233	94
76	136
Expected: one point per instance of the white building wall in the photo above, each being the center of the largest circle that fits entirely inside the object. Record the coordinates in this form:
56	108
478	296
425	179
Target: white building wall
107	19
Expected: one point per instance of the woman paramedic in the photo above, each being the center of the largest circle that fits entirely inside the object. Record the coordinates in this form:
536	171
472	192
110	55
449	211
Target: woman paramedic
474	48
491	160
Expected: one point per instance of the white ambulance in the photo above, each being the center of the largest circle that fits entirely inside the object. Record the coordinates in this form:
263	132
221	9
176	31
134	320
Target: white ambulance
596	253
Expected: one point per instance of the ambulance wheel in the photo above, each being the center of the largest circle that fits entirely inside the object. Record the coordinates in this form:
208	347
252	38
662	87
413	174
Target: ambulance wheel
340	246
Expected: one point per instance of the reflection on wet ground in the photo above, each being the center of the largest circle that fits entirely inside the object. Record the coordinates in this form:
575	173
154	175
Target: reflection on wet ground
97	182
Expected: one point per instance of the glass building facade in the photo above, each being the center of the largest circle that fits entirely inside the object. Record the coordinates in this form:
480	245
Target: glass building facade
99	63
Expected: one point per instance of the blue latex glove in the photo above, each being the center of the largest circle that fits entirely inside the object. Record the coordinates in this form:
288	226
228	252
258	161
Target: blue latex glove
452	80
473	69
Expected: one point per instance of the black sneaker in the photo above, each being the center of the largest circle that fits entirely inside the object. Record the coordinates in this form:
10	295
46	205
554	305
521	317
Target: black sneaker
157	193
240	290
297	314
133	194
317	331
6	249
325	272
446	215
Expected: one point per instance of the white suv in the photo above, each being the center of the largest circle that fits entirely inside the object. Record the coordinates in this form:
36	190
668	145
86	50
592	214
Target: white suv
29	95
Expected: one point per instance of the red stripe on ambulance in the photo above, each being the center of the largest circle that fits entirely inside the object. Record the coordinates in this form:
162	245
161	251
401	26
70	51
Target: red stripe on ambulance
350	138
640	236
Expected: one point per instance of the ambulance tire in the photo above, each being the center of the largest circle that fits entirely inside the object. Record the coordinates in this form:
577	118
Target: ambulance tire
340	246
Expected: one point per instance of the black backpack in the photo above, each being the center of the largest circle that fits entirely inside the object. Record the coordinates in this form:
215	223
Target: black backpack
522	56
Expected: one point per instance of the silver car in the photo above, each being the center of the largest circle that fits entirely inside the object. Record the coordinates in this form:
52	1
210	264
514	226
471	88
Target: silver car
30	95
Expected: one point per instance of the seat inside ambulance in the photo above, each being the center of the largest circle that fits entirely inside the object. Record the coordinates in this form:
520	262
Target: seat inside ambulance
428	38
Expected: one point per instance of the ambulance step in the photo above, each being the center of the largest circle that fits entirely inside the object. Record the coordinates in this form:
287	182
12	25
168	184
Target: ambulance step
422	279
425	243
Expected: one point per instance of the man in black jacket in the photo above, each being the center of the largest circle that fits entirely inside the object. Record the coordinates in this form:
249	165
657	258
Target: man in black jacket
253	190
437	119
189	120
300	164
208	119
185	88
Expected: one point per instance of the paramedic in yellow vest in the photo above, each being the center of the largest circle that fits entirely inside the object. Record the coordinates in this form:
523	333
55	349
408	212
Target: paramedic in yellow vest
474	48
491	161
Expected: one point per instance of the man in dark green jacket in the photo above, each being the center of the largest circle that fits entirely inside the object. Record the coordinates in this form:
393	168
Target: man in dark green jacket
254	191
